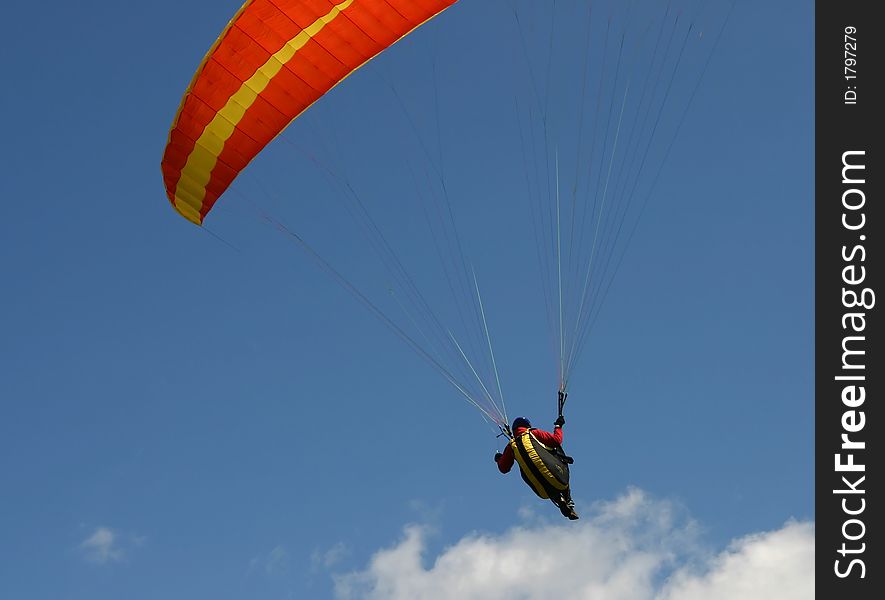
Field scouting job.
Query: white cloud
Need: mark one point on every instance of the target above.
(277, 561)
(777, 564)
(634, 547)
(328, 558)
(274, 562)
(102, 547)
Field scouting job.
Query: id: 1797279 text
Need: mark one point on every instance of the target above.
(850, 66)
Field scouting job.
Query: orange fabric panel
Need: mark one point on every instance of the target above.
(322, 41)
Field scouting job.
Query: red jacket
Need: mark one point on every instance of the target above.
(505, 463)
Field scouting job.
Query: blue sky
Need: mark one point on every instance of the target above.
(189, 414)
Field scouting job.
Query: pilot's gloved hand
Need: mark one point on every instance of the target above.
(498, 456)
(559, 422)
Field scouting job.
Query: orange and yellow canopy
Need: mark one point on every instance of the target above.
(273, 60)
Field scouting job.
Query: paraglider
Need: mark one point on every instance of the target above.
(587, 179)
(543, 464)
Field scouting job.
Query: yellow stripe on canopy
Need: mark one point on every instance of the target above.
(197, 171)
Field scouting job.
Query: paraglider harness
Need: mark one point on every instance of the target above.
(543, 468)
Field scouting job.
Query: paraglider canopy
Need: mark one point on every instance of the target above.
(272, 61)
